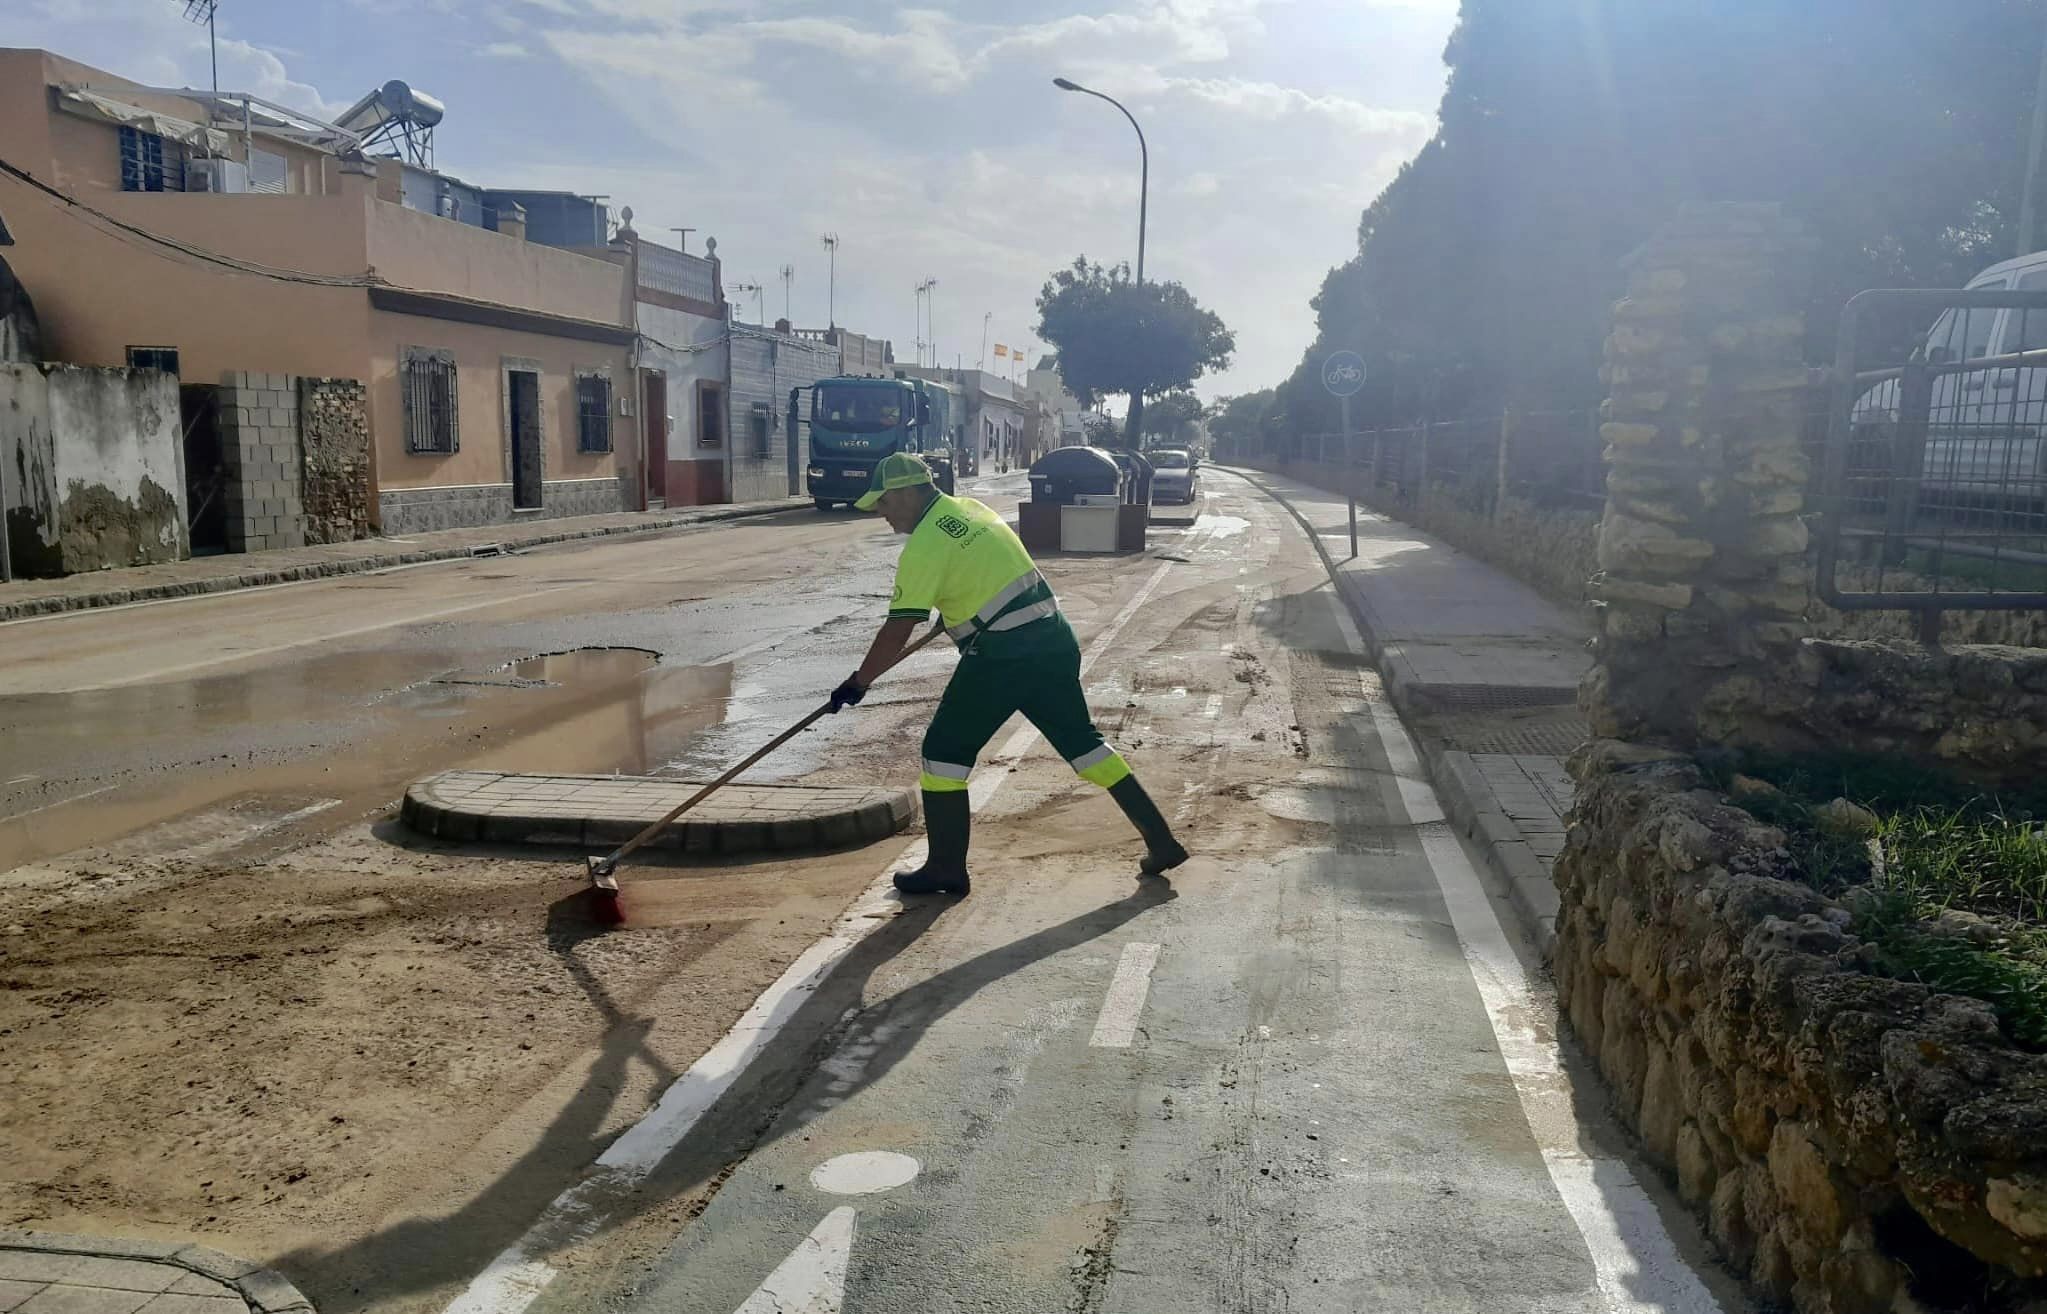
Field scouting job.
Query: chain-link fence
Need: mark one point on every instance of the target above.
(1549, 458)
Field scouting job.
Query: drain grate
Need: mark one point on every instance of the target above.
(1491, 697)
(1551, 732)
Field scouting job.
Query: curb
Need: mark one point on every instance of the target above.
(1473, 807)
(426, 813)
(264, 1289)
(259, 578)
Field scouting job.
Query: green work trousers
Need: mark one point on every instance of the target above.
(1034, 670)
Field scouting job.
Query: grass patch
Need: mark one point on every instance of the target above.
(1937, 847)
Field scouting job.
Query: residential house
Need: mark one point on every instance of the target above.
(768, 457)
(218, 235)
(1045, 384)
(684, 371)
(1003, 424)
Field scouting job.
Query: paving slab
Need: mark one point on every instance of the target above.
(604, 811)
(57, 1273)
(1474, 660)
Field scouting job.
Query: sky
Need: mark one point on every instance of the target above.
(928, 137)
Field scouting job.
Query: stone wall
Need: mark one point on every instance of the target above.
(94, 468)
(260, 454)
(1703, 584)
(422, 510)
(1857, 1144)
(334, 440)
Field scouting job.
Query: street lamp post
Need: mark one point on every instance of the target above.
(1143, 156)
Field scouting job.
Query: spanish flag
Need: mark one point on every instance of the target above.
(1000, 351)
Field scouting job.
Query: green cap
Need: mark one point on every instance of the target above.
(897, 470)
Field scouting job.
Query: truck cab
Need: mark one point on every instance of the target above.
(855, 422)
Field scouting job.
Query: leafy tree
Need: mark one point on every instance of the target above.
(1233, 422)
(1116, 336)
(1170, 415)
(1570, 130)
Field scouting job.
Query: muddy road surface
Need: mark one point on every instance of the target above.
(240, 1005)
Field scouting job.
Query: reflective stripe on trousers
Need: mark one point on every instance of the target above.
(1105, 767)
(944, 777)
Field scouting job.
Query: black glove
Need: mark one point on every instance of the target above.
(848, 694)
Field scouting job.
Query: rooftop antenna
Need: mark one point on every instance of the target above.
(682, 238)
(788, 281)
(201, 11)
(830, 242)
(982, 363)
(760, 315)
(924, 290)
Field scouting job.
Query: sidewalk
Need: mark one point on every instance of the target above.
(1483, 669)
(246, 570)
(48, 1273)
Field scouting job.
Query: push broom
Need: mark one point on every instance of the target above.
(604, 870)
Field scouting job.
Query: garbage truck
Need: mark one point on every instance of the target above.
(856, 420)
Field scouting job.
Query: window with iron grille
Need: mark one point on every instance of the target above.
(427, 380)
(593, 413)
(762, 416)
(153, 358)
(150, 164)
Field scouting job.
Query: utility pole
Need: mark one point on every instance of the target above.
(982, 363)
(788, 282)
(831, 255)
(2026, 206)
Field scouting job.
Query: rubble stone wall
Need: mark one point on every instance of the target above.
(1856, 1144)
(334, 441)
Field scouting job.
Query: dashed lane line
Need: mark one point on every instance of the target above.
(1128, 990)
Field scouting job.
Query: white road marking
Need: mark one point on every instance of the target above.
(514, 1279)
(1638, 1266)
(812, 1280)
(75, 798)
(1214, 707)
(1128, 990)
(865, 1172)
(225, 842)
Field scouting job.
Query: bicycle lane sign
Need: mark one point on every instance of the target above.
(1343, 373)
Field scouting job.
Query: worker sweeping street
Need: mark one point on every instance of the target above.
(1017, 654)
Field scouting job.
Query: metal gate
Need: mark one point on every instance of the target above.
(1934, 495)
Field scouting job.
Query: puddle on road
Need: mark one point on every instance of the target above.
(351, 727)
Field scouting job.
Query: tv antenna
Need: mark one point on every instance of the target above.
(788, 282)
(830, 242)
(201, 11)
(682, 238)
(760, 315)
(924, 300)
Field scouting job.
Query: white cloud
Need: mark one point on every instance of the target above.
(921, 47)
(504, 50)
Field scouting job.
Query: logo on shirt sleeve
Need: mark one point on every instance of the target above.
(952, 526)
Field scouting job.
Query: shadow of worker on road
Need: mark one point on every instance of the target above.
(422, 1254)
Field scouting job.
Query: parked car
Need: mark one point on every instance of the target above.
(1985, 428)
(1174, 475)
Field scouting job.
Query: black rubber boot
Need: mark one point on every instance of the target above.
(948, 824)
(1163, 852)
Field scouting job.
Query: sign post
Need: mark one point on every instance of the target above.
(1343, 374)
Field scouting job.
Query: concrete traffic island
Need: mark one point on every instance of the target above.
(604, 811)
(116, 1275)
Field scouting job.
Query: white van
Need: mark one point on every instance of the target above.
(1985, 427)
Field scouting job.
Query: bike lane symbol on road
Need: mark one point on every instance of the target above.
(812, 1280)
